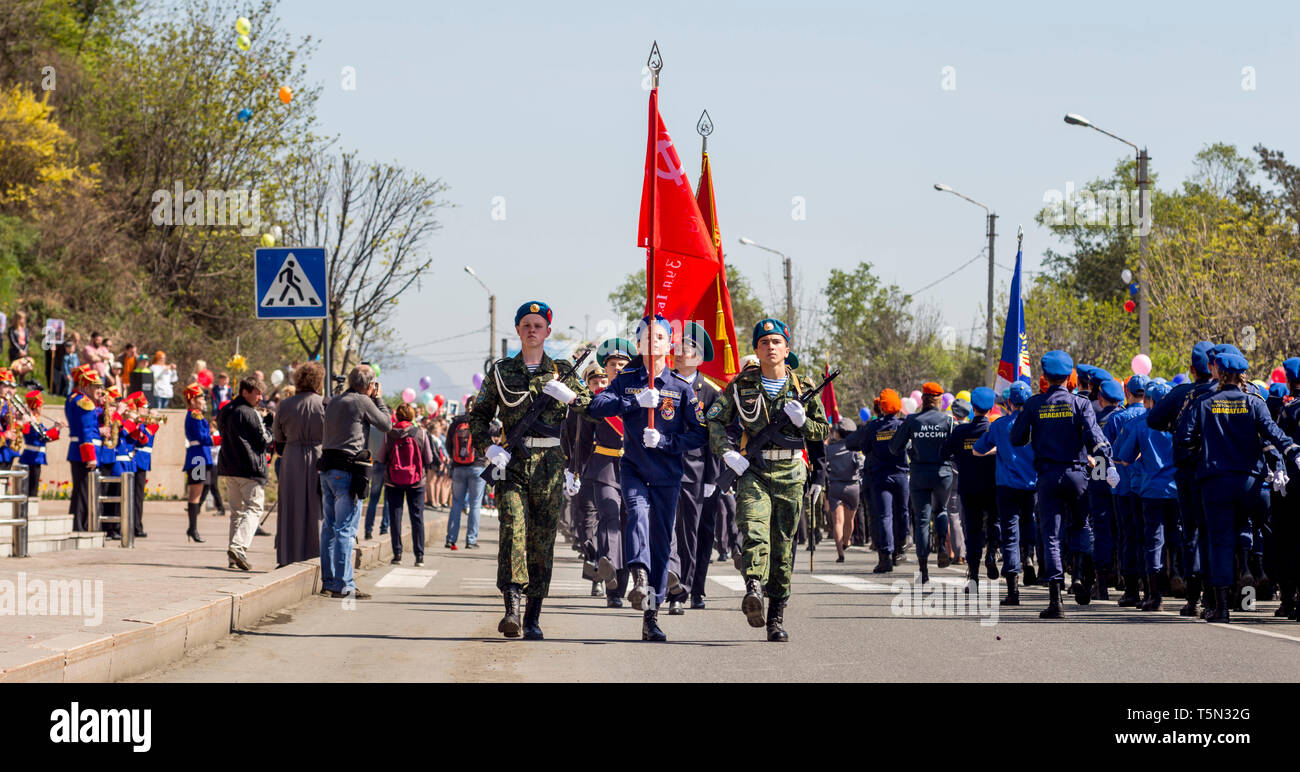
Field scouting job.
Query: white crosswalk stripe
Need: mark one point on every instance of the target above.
(416, 578)
(854, 583)
(734, 583)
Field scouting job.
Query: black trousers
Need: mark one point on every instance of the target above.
(79, 504)
(34, 481)
(137, 501)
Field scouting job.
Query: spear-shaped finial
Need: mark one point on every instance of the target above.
(1020, 235)
(655, 63)
(704, 128)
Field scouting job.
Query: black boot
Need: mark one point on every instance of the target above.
(1013, 591)
(925, 569)
(886, 564)
(775, 611)
(532, 611)
(1053, 610)
(1031, 574)
(1295, 608)
(640, 588)
(1208, 600)
(1130, 598)
(1083, 593)
(1152, 601)
(509, 626)
(650, 627)
(1245, 578)
(752, 603)
(1103, 586)
(991, 566)
(192, 510)
(1193, 597)
(1220, 612)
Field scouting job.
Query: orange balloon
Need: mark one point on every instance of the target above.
(286, 94)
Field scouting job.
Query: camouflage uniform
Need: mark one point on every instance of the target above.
(767, 500)
(530, 498)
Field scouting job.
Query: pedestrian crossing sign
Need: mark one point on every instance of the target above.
(290, 283)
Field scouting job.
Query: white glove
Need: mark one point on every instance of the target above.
(648, 398)
(709, 490)
(737, 462)
(571, 484)
(562, 394)
(796, 413)
(498, 455)
(1112, 476)
(814, 490)
(650, 437)
(1280, 480)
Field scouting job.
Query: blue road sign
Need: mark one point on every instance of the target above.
(290, 283)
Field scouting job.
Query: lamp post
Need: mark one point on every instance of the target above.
(789, 287)
(492, 317)
(1144, 308)
(991, 218)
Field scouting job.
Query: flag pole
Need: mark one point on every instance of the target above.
(654, 63)
(704, 127)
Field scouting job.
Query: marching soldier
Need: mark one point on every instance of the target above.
(111, 456)
(601, 495)
(1128, 505)
(651, 470)
(143, 435)
(768, 499)
(10, 424)
(888, 472)
(1108, 397)
(529, 491)
(978, 476)
(82, 410)
(930, 484)
(1015, 481)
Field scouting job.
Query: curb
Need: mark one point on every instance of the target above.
(129, 647)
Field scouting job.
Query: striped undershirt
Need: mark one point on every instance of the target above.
(772, 386)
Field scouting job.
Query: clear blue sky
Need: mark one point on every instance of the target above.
(840, 103)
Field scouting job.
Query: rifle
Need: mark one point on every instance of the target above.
(515, 443)
(753, 451)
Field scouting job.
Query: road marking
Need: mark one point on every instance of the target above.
(734, 583)
(853, 583)
(557, 585)
(416, 578)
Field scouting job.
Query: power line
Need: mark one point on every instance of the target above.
(951, 273)
(450, 337)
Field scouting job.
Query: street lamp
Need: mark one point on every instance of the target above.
(991, 218)
(492, 317)
(789, 289)
(1144, 309)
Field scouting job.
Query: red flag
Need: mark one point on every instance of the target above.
(713, 310)
(681, 261)
(829, 403)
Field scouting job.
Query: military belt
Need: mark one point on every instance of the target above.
(604, 451)
(541, 442)
(781, 454)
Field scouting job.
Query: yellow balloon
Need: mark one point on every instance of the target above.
(243, 43)
(268, 240)
(242, 26)
(963, 394)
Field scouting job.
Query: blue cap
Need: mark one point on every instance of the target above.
(1112, 390)
(1084, 371)
(1279, 390)
(1100, 375)
(1057, 364)
(982, 398)
(1136, 385)
(1157, 392)
(864, 415)
(1180, 378)
(1292, 367)
(533, 307)
(1201, 357)
(1224, 348)
(1017, 393)
(771, 327)
(646, 321)
(1233, 363)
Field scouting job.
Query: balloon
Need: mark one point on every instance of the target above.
(1141, 365)
(963, 394)
(424, 382)
(1126, 275)
(268, 240)
(243, 115)
(1133, 290)
(945, 400)
(243, 43)
(286, 94)
(439, 399)
(427, 398)
(376, 369)
(1180, 378)
(408, 395)
(277, 231)
(478, 381)
(242, 26)
(277, 378)
(1129, 305)
(1279, 375)
(864, 415)
(916, 396)
(909, 404)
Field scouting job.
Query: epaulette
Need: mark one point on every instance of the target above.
(197, 415)
(710, 381)
(85, 403)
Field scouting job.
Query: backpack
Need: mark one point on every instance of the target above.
(462, 447)
(405, 464)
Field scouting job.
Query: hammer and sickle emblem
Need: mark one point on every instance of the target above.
(675, 172)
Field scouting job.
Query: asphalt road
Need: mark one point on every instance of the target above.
(439, 623)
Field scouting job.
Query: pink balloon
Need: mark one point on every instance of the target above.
(1141, 365)
(916, 396)
(408, 395)
(478, 380)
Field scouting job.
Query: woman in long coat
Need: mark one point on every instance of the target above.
(299, 426)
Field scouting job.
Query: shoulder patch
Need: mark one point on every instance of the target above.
(715, 409)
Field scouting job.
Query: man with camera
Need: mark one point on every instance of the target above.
(345, 473)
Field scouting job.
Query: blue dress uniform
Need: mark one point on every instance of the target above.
(978, 488)
(143, 456)
(1101, 500)
(1285, 515)
(651, 477)
(930, 483)
(198, 452)
(1152, 452)
(1229, 430)
(35, 438)
(83, 451)
(1016, 481)
(888, 472)
(1128, 504)
(1164, 417)
(1063, 432)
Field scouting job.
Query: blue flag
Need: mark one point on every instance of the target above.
(1014, 363)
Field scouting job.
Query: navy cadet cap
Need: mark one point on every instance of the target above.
(1137, 384)
(533, 307)
(1156, 391)
(1279, 390)
(1112, 390)
(1233, 363)
(695, 333)
(1057, 364)
(1292, 367)
(615, 347)
(1201, 357)
(982, 398)
(1017, 393)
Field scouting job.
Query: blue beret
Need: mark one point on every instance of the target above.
(1112, 390)
(1279, 390)
(1224, 348)
(533, 307)
(1157, 392)
(1057, 364)
(1017, 393)
(864, 415)
(1136, 385)
(1292, 367)
(1101, 376)
(771, 327)
(1201, 357)
(646, 321)
(982, 398)
(1233, 363)
(615, 347)
(1180, 378)
(695, 333)
(1084, 371)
